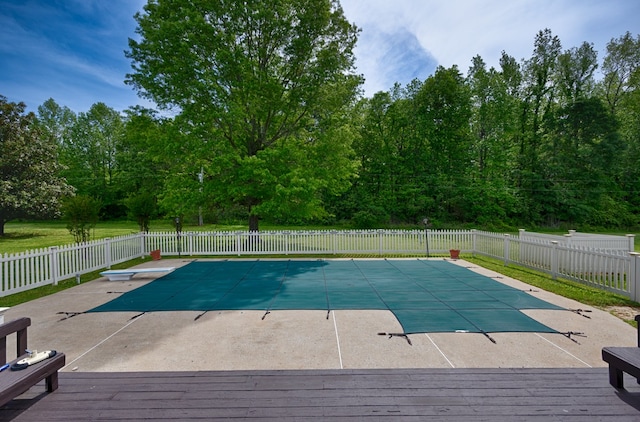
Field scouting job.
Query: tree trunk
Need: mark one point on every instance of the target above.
(2, 227)
(253, 223)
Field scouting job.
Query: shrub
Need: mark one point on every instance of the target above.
(81, 213)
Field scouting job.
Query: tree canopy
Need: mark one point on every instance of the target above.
(262, 88)
(266, 121)
(30, 184)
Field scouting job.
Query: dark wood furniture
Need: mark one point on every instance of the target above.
(621, 360)
(14, 383)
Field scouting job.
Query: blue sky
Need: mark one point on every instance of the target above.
(73, 50)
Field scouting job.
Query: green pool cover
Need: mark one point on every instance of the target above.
(426, 296)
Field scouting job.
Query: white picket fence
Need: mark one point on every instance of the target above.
(615, 268)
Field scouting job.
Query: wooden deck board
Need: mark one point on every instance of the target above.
(403, 394)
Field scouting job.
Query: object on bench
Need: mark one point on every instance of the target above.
(33, 357)
(14, 383)
(623, 359)
(123, 275)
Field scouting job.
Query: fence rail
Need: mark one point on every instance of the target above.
(607, 262)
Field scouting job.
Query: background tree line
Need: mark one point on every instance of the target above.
(546, 141)
(551, 140)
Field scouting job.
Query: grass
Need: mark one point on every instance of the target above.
(23, 236)
(582, 293)
(20, 237)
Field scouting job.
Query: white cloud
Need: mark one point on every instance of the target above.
(454, 31)
(391, 57)
(73, 50)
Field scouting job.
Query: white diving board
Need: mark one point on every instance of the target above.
(123, 275)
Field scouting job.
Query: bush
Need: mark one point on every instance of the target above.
(81, 213)
(142, 208)
(371, 218)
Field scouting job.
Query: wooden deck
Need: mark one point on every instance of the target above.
(388, 394)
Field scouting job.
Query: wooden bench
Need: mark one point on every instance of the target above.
(123, 275)
(14, 383)
(623, 359)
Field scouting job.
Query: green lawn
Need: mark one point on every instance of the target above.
(20, 237)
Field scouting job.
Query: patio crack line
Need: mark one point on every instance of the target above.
(102, 342)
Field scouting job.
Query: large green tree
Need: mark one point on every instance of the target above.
(30, 184)
(621, 90)
(89, 152)
(55, 121)
(261, 88)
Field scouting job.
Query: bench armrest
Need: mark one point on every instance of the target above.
(18, 326)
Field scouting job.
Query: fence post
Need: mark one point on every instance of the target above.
(143, 241)
(107, 252)
(632, 244)
(554, 259)
(633, 277)
(506, 249)
(238, 242)
(474, 234)
(53, 264)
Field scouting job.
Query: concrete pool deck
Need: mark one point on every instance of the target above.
(243, 340)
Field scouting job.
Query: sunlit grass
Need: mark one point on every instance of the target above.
(579, 292)
(21, 237)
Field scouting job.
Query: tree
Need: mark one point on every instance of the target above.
(621, 89)
(81, 213)
(142, 207)
(55, 121)
(443, 107)
(621, 66)
(489, 196)
(259, 86)
(90, 154)
(575, 72)
(538, 96)
(30, 184)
